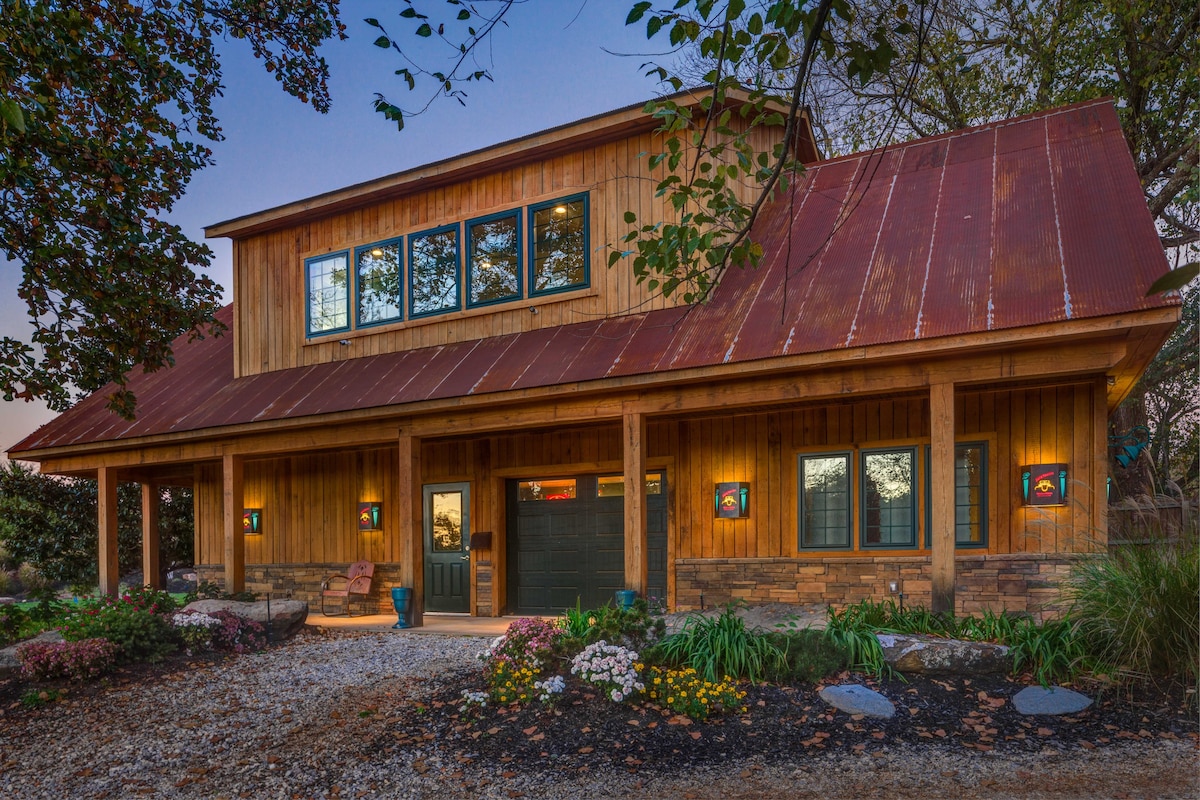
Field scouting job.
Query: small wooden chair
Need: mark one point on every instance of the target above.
(355, 583)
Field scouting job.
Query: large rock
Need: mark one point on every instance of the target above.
(1033, 700)
(287, 616)
(10, 667)
(855, 699)
(933, 656)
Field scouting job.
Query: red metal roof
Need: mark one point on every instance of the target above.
(1017, 223)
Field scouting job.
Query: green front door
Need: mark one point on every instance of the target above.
(447, 547)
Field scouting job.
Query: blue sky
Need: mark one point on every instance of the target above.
(550, 67)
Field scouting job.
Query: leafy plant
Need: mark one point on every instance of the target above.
(851, 631)
(1052, 651)
(722, 646)
(237, 634)
(13, 620)
(515, 661)
(685, 692)
(808, 656)
(140, 635)
(633, 627)
(78, 660)
(35, 698)
(1137, 609)
(207, 590)
(611, 668)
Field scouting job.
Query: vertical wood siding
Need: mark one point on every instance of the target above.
(309, 502)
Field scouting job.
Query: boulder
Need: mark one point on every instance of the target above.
(855, 699)
(10, 667)
(933, 656)
(287, 616)
(1053, 700)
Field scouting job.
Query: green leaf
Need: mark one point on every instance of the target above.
(374, 23)
(425, 30)
(383, 42)
(637, 12)
(464, 14)
(1175, 279)
(11, 113)
(630, 217)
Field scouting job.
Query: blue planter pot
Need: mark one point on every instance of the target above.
(625, 598)
(402, 602)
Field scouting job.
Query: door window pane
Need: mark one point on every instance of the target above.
(447, 522)
(559, 234)
(970, 489)
(888, 499)
(434, 267)
(553, 489)
(328, 293)
(379, 283)
(825, 501)
(494, 272)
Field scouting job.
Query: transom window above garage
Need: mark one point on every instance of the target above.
(464, 265)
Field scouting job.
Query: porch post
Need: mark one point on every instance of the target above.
(234, 502)
(106, 497)
(941, 478)
(411, 537)
(151, 566)
(636, 567)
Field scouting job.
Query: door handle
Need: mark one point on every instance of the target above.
(465, 558)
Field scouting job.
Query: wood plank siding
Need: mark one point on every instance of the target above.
(309, 501)
(269, 284)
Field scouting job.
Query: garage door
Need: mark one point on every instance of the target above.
(566, 542)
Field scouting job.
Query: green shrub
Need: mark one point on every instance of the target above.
(808, 656)
(851, 631)
(633, 627)
(207, 590)
(139, 634)
(722, 647)
(1138, 610)
(1052, 651)
(13, 620)
(77, 661)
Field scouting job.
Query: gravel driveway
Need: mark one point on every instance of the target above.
(306, 720)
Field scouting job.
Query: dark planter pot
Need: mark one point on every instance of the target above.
(402, 602)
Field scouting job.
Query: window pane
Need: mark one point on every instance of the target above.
(494, 267)
(559, 253)
(447, 522)
(888, 499)
(328, 294)
(434, 272)
(825, 501)
(970, 510)
(614, 485)
(379, 283)
(555, 489)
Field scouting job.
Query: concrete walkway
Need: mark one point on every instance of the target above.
(444, 624)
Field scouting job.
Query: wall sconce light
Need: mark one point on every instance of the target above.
(1044, 484)
(732, 500)
(370, 516)
(252, 521)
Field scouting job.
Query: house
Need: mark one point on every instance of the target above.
(436, 371)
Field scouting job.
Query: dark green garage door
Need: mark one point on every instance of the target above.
(566, 541)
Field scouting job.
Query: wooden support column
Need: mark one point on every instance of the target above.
(412, 532)
(941, 479)
(151, 564)
(1099, 476)
(106, 496)
(233, 504)
(636, 565)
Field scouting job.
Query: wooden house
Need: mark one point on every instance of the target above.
(436, 371)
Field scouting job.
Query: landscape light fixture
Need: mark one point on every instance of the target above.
(897, 588)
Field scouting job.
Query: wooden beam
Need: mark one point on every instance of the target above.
(412, 532)
(106, 496)
(634, 448)
(233, 506)
(151, 564)
(941, 479)
(1099, 476)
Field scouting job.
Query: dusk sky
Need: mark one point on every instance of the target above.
(550, 67)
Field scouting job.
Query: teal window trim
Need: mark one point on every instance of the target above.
(398, 241)
(984, 477)
(413, 238)
(532, 258)
(308, 294)
(468, 250)
(847, 457)
(863, 544)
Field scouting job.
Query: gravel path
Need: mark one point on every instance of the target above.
(306, 720)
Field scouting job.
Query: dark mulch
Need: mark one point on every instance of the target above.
(584, 732)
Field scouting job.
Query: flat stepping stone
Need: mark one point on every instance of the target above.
(1033, 700)
(855, 699)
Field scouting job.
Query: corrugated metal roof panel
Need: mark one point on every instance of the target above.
(1018, 223)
